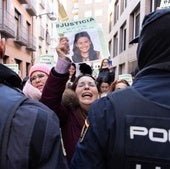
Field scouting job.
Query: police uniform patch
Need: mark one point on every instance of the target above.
(84, 130)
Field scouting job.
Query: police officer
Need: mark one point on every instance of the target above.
(29, 130)
(130, 129)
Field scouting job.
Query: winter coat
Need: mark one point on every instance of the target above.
(34, 139)
(66, 106)
(106, 73)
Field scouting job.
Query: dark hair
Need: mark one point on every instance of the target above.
(100, 69)
(74, 75)
(77, 54)
(113, 85)
(85, 68)
(104, 79)
(79, 77)
(24, 81)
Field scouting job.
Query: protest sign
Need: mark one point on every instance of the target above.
(86, 39)
(13, 67)
(127, 77)
(47, 59)
(165, 4)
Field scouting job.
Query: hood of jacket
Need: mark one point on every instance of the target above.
(69, 99)
(154, 42)
(9, 77)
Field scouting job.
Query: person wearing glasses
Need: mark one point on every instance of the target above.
(38, 75)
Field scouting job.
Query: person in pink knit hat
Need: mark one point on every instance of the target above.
(38, 75)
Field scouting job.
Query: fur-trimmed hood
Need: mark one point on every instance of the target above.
(69, 99)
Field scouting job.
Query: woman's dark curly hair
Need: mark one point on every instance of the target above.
(79, 77)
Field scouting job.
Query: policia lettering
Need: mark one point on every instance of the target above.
(151, 133)
(138, 166)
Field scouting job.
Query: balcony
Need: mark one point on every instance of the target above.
(31, 45)
(20, 37)
(7, 24)
(23, 1)
(30, 8)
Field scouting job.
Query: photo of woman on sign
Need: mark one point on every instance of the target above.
(83, 49)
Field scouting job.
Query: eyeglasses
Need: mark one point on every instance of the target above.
(39, 76)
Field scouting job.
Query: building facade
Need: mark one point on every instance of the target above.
(125, 20)
(28, 27)
(16, 26)
(121, 22)
(45, 30)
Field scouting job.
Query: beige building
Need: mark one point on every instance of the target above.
(45, 30)
(79, 9)
(98, 9)
(29, 28)
(125, 20)
(121, 22)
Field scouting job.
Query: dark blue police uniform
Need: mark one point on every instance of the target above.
(130, 129)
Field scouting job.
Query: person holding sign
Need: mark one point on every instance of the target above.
(72, 104)
(83, 48)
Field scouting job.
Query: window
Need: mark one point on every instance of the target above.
(27, 68)
(110, 47)
(28, 29)
(17, 23)
(121, 69)
(123, 38)
(125, 4)
(155, 4)
(115, 45)
(110, 22)
(136, 24)
(17, 61)
(116, 11)
(135, 16)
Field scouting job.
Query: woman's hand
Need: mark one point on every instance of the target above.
(2, 48)
(63, 48)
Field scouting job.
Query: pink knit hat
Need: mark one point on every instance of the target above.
(40, 67)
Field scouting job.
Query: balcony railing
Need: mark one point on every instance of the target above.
(7, 24)
(21, 36)
(31, 45)
(30, 8)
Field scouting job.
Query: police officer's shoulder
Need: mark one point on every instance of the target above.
(35, 109)
(101, 107)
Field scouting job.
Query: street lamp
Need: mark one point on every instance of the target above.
(50, 14)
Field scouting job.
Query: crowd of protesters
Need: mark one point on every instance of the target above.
(76, 103)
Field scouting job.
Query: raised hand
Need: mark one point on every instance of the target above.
(63, 47)
(2, 48)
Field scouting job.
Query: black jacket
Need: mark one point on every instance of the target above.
(34, 140)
